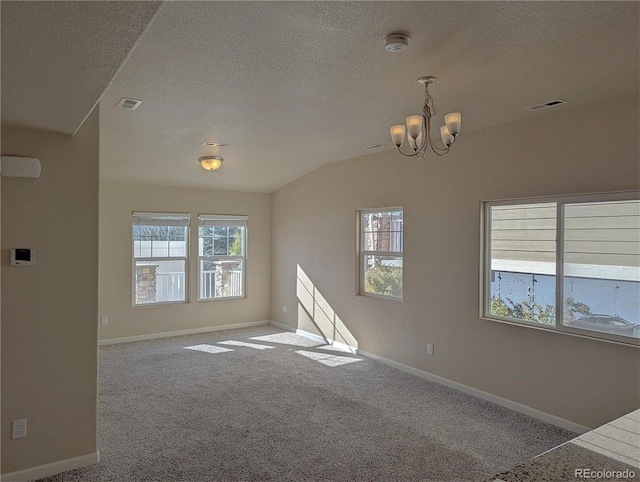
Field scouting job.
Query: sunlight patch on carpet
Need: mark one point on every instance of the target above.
(286, 339)
(339, 348)
(245, 344)
(208, 348)
(328, 359)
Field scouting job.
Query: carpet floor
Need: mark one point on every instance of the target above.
(263, 404)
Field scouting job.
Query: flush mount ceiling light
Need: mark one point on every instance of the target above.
(211, 163)
(418, 128)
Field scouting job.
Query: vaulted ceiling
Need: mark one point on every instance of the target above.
(291, 86)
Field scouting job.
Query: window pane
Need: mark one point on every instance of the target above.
(220, 246)
(383, 231)
(205, 241)
(221, 278)
(383, 275)
(159, 241)
(159, 281)
(523, 251)
(602, 267)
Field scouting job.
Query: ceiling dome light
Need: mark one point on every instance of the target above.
(211, 163)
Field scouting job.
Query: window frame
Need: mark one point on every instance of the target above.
(185, 258)
(362, 253)
(485, 263)
(233, 221)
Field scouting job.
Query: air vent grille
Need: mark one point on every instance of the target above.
(546, 105)
(214, 144)
(130, 104)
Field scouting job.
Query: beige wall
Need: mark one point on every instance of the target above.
(589, 149)
(49, 311)
(118, 201)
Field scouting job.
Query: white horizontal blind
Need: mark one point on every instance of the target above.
(222, 220)
(161, 219)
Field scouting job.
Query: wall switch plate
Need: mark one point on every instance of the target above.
(19, 429)
(284, 308)
(104, 320)
(429, 348)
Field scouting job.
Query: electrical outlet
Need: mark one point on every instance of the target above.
(429, 348)
(104, 320)
(19, 428)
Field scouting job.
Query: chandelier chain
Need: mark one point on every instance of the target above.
(429, 109)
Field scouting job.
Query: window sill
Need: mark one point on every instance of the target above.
(162, 303)
(381, 298)
(224, 298)
(634, 342)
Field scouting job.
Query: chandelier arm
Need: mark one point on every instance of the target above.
(438, 150)
(414, 154)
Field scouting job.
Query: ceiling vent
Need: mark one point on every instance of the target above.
(130, 104)
(373, 147)
(546, 105)
(214, 144)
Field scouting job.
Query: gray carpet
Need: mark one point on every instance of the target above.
(296, 410)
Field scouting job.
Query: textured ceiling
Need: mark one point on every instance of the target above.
(58, 57)
(295, 85)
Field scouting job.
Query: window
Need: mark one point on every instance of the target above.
(160, 254)
(222, 250)
(381, 248)
(570, 264)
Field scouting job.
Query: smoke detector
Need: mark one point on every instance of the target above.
(395, 42)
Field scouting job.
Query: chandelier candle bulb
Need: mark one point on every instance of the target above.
(414, 125)
(447, 137)
(397, 134)
(453, 122)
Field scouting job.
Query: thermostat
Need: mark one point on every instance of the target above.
(23, 257)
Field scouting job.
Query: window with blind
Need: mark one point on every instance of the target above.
(222, 247)
(381, 253)
(160, 258)
(570, 264)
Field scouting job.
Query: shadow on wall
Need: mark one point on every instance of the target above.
(314, 309)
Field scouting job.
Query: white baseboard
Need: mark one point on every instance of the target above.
(282, 326)
(167, 334)
(53, 468)
(517, 407)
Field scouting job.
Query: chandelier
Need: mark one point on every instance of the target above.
(418, 128)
